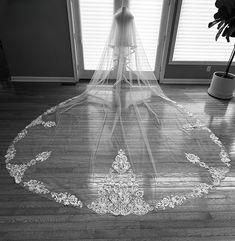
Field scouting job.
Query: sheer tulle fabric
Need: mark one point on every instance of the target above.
(122, 146)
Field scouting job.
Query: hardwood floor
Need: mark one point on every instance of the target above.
(30, 217)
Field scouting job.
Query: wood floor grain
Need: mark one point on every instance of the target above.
(25, 216)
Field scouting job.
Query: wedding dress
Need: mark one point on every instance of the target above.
(122, 146)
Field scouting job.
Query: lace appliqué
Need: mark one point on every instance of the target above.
(11, 152)
(183, 109)
(176, 200)
(39, 121)
(170, 202)
(20, 136)
(66, 199)
(217, 173)
(199, 190)
(17, 171)
(223, 154)
(51, 110)
(36, 186)
(224, 157)
(190, 127)
(119, 194)
(215, 139)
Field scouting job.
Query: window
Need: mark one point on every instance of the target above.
(194, 41)
(147, 16)
(96, 17)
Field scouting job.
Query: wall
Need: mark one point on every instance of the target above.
(4, 72)
(3, 17)
(37, 40)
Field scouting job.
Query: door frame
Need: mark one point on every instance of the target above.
(76, 38)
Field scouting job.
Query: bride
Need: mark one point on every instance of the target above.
(122, 146)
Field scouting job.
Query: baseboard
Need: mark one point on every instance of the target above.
(72, 80)
(186, 81)
(42, 79)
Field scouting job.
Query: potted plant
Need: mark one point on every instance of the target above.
(223, 83)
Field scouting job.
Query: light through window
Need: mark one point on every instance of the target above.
(194, 41)
(96, 19)
(147, 15)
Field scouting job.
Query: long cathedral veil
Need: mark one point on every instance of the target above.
(122, 146)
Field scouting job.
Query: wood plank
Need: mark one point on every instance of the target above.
(29, 217)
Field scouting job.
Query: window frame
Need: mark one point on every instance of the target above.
(168, 50)
(172, 47)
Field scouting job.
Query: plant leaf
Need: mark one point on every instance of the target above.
(220, 24)
(220, 31)
(226, 4)
(211, 24)
(230, 31)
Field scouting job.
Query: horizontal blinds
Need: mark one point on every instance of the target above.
(96, 18)
(194, 41)
(147, 14)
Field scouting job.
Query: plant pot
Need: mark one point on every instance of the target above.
(220, 87)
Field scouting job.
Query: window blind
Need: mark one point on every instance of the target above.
(96, 19)
(194, 40)
(147, 16)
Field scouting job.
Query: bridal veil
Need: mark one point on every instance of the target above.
(122, 146)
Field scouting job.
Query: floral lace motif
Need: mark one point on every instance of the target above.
(39, 121)
(217, 173)
(199, 190)
(185, 110)
(66, 199)
(224, 157)
(119, 194)
(176, 200)
(190, 127)
(11, 152)
(215, 139)
(20, 136)
(170, 202)
(36, 186)
(51, 110)
(17, 171)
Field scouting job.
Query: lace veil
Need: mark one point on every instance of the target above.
(122, 146)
